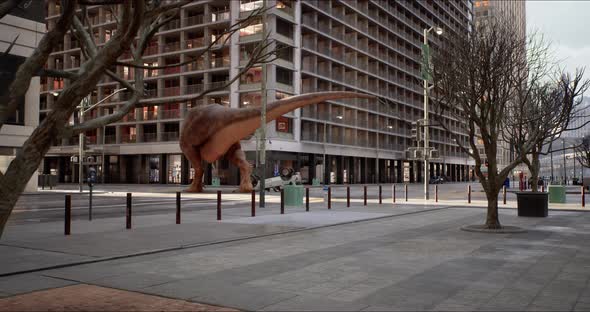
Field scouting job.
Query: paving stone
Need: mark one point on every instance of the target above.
(134, 281)
(582, 306)
(25, 283)
(314, 303)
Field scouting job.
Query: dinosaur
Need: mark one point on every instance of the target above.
(210, 132)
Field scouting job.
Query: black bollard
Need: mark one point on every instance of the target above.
(365, 195)
(380, 201)
(177, 207)
(128, 212)
(329, 197)
(348, 196)
(282, 201)
(218, 205)
(68, 215)
(253, 203)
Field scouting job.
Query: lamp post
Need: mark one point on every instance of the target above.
(262, 156)
(564, 163)
(83, 109)
(426, 76)
(377, 152)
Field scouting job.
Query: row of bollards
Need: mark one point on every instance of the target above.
(128, 210)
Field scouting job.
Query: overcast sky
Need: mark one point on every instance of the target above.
(567, 25)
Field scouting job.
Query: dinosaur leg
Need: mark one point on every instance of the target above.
(192, 153)
(237, 157)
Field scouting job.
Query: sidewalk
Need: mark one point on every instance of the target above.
(34, 246)
(407, 257)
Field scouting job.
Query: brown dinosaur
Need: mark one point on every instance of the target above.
(211, 131)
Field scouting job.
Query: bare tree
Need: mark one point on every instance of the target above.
(549, 110)
(482, 79)
(141, 18)
(582, 152)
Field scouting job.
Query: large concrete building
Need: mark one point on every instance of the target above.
(26, 24)
(367, 46)
(514, 11)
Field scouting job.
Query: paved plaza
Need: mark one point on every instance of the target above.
(404, 256)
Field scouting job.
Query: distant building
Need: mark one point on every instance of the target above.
(514, 10)
(366, 46)
(27, 21)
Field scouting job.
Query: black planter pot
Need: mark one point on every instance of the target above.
(532, 204)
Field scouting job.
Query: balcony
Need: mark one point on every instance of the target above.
(150, 137)
(194, 20)
(128, 138)
(150, 115)
(194, 43)
(170, 114)
(171, 91)
(170, 136)
(220, 62)
(110, 139)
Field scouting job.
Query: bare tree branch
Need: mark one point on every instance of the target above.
(20, 85)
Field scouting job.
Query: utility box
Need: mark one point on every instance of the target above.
(215, 182)
(556, 194)
(293, 196)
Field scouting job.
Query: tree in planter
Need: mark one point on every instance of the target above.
(582, 152)
(141, 18)
(480, 79)
(551, 106)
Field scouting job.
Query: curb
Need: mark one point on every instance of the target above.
(181, 247)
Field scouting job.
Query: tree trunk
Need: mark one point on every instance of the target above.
(534, 169)
(492, 219)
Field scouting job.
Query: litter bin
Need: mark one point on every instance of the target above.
(215, 182)
(293, 196)
(556, 194)
(315, 182)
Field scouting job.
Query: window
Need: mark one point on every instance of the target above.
(284, 28)
(285, 52)
(255, 27)
(246, 51)
(253, 75)
(250, 5)
(284, 76)
(250, 99)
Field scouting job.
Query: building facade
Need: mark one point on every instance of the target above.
(515, 11)
(366, 46)
(26, 24)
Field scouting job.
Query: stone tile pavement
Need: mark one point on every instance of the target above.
(414, 258)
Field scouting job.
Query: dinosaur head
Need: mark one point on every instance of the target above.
(241, 123)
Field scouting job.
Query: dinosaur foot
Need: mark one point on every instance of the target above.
(194, 189)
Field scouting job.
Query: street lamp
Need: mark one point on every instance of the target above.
(426, 76)
(82, 111)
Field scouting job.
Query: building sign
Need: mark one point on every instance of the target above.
(283, 124)
(406, 172)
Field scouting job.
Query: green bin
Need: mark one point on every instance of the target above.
(315, 182)
(293, 196)
(556, 194)
(215, 182)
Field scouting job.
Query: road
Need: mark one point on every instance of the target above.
(110, 200)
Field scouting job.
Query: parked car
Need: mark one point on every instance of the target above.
(436, 180)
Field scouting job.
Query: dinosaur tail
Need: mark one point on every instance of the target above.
(246, 120)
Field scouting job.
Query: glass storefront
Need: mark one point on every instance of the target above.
(154, 171)
(174, 169)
